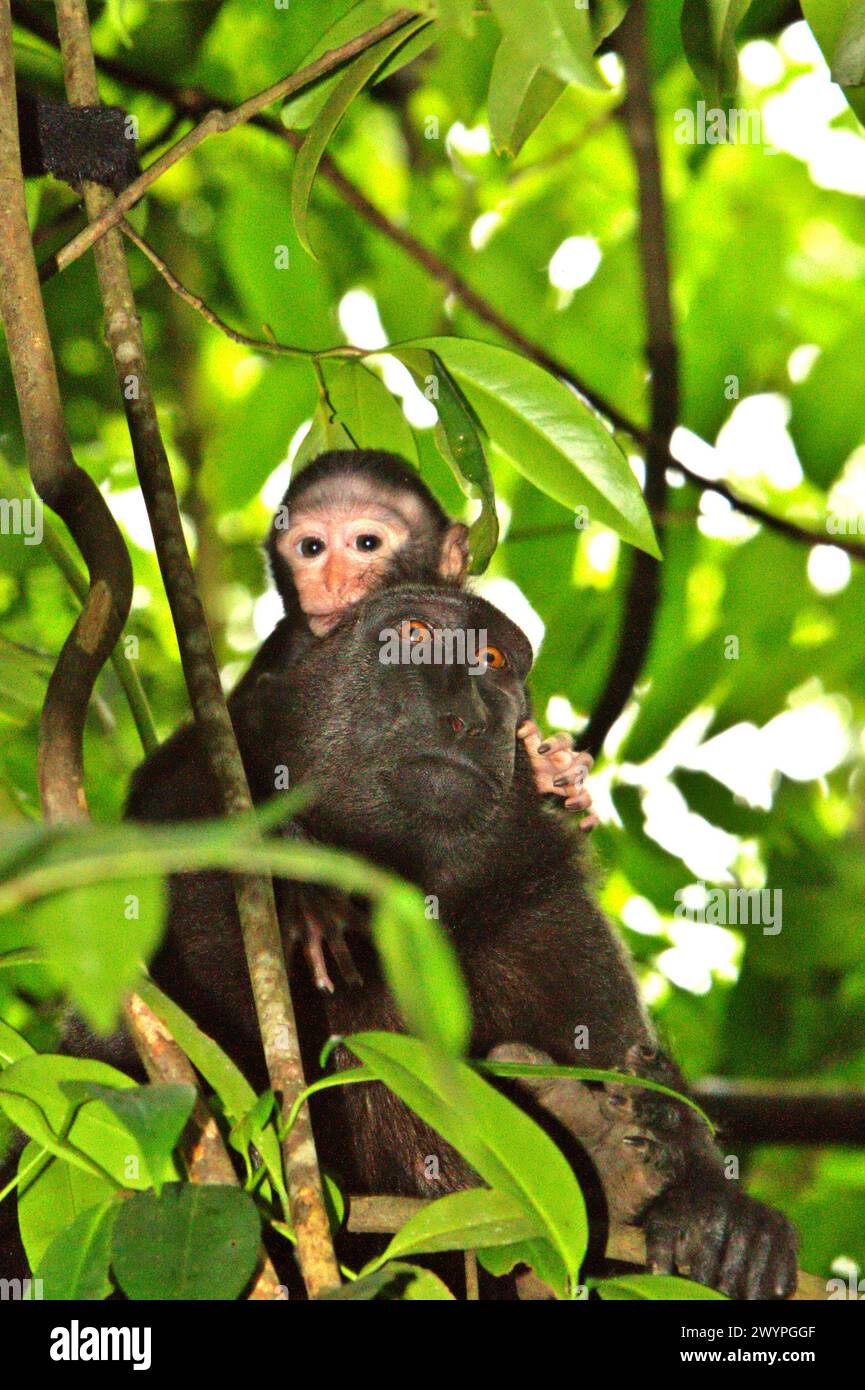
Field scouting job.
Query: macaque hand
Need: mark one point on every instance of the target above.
(559, 770)
(313, 918)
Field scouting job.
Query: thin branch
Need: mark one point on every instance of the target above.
(58, 480)
(254, 893)
(749, 1114)
(644, 583)
(200, 306)
(218, 122)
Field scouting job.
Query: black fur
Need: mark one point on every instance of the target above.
(76, 142)
(456, 813)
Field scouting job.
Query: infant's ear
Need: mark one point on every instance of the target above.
(454, 555)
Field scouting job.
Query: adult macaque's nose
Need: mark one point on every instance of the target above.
(466, 716)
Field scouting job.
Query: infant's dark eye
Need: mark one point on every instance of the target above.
(311, 546)
(367, 542)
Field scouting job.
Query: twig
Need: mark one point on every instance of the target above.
(58, 480)
(201, 307)
(644, 582)
(217, 122)
(254, 893)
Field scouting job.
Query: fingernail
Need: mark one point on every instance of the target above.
(560, 781)
(544, 748)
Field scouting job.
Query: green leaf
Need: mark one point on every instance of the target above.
(556, 34)
(848, 57)
(309, 156)
(709, 38)
(93, 940)
(51, 1196)
(237, 1096)
(654, 1288)
(299, 112)
(421, 967)
(538, 1254)
(400, 1282)
(504, 1146)
(155, 1116)
(76, 1263)
(325, 433)
(12, 1046)
(365, 408)
(547, 432)
(191, 1242)
(461, 1221)
(830, 22)
(88, 1135)
(459, 438)
(521, 93)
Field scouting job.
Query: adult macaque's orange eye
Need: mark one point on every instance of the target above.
(492, 657)
(414, 631)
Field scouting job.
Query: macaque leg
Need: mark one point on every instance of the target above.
(559, 770)
(626, 1155)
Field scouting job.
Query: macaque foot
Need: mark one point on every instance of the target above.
(625, 1154)
(703, 1226)
(320, 917)
(559, 770)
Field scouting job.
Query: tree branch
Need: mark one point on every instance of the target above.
(218, 121)
(254, 893)
(58, 480)
(644, 584)
(749, 1114)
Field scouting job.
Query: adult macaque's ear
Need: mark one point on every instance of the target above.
(454, 557)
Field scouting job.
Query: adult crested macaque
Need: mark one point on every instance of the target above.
(76, 143)
(419, 766)
(353, 522)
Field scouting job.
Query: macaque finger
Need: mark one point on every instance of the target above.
(313, 949)
(589, 823)
(742, 1256)
(701, 1252)
(556, 743)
